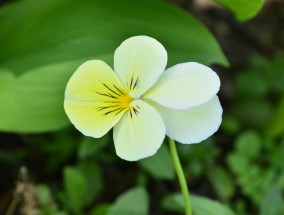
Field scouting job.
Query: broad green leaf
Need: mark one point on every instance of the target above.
(205, 206)
(75, 186)
(43, 42)
(132, 202)
(7, 80)
(200, 205)
(160, 165)
(33, 102)
(243, 9)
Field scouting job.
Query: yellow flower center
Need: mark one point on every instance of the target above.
(125, 100)
(116, 99)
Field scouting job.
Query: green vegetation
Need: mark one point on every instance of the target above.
(238, 171)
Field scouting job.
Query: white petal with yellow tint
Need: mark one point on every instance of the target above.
(185, 85)
(95, 99)
(91, 78)
(88, 120)
(138, 62)
(192, 125)
(139, 133)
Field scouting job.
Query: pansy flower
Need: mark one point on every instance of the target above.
(142, 101)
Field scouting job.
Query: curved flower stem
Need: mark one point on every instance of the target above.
(181, 177)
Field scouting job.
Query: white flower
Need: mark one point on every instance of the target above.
(141, 101)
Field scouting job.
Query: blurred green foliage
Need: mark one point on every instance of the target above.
(42, 42)
(162, 161)
(125, 203)
(200, 205)
(243, 9)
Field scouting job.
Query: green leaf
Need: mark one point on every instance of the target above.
(75, 188)
(222, 183)
(238, 163)
(90, 146)
(160, 165)
(43, 194)
(132, 202)
(249, 144)
(33, 102)
(255, 182)
(273, 74)
(93, 176)
(205, 206)
(200, 205)
(230, 124)
(43, 42)
(276, 156)
(276, 126)
(251, 83)
(6, 80)
(272, 203)
(253, 112)
(46, 203)
(101, 209)
(243, 9)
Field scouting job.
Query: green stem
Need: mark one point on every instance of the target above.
(181, 177)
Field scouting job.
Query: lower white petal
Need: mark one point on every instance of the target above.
(192, 125)
(139, 133)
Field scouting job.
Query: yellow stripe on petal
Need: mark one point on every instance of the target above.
(95, 99)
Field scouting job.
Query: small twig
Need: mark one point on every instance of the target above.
(24, 194)
(13, 205)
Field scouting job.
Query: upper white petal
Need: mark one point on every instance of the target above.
(139, 134)
(185, 85)
(138, 62)
(192, 125)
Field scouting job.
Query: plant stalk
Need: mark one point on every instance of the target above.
(181, 177)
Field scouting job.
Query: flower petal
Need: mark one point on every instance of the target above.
(185, 85)
(138, 62)
(139, 133)
(192, 125)
(92, 98)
